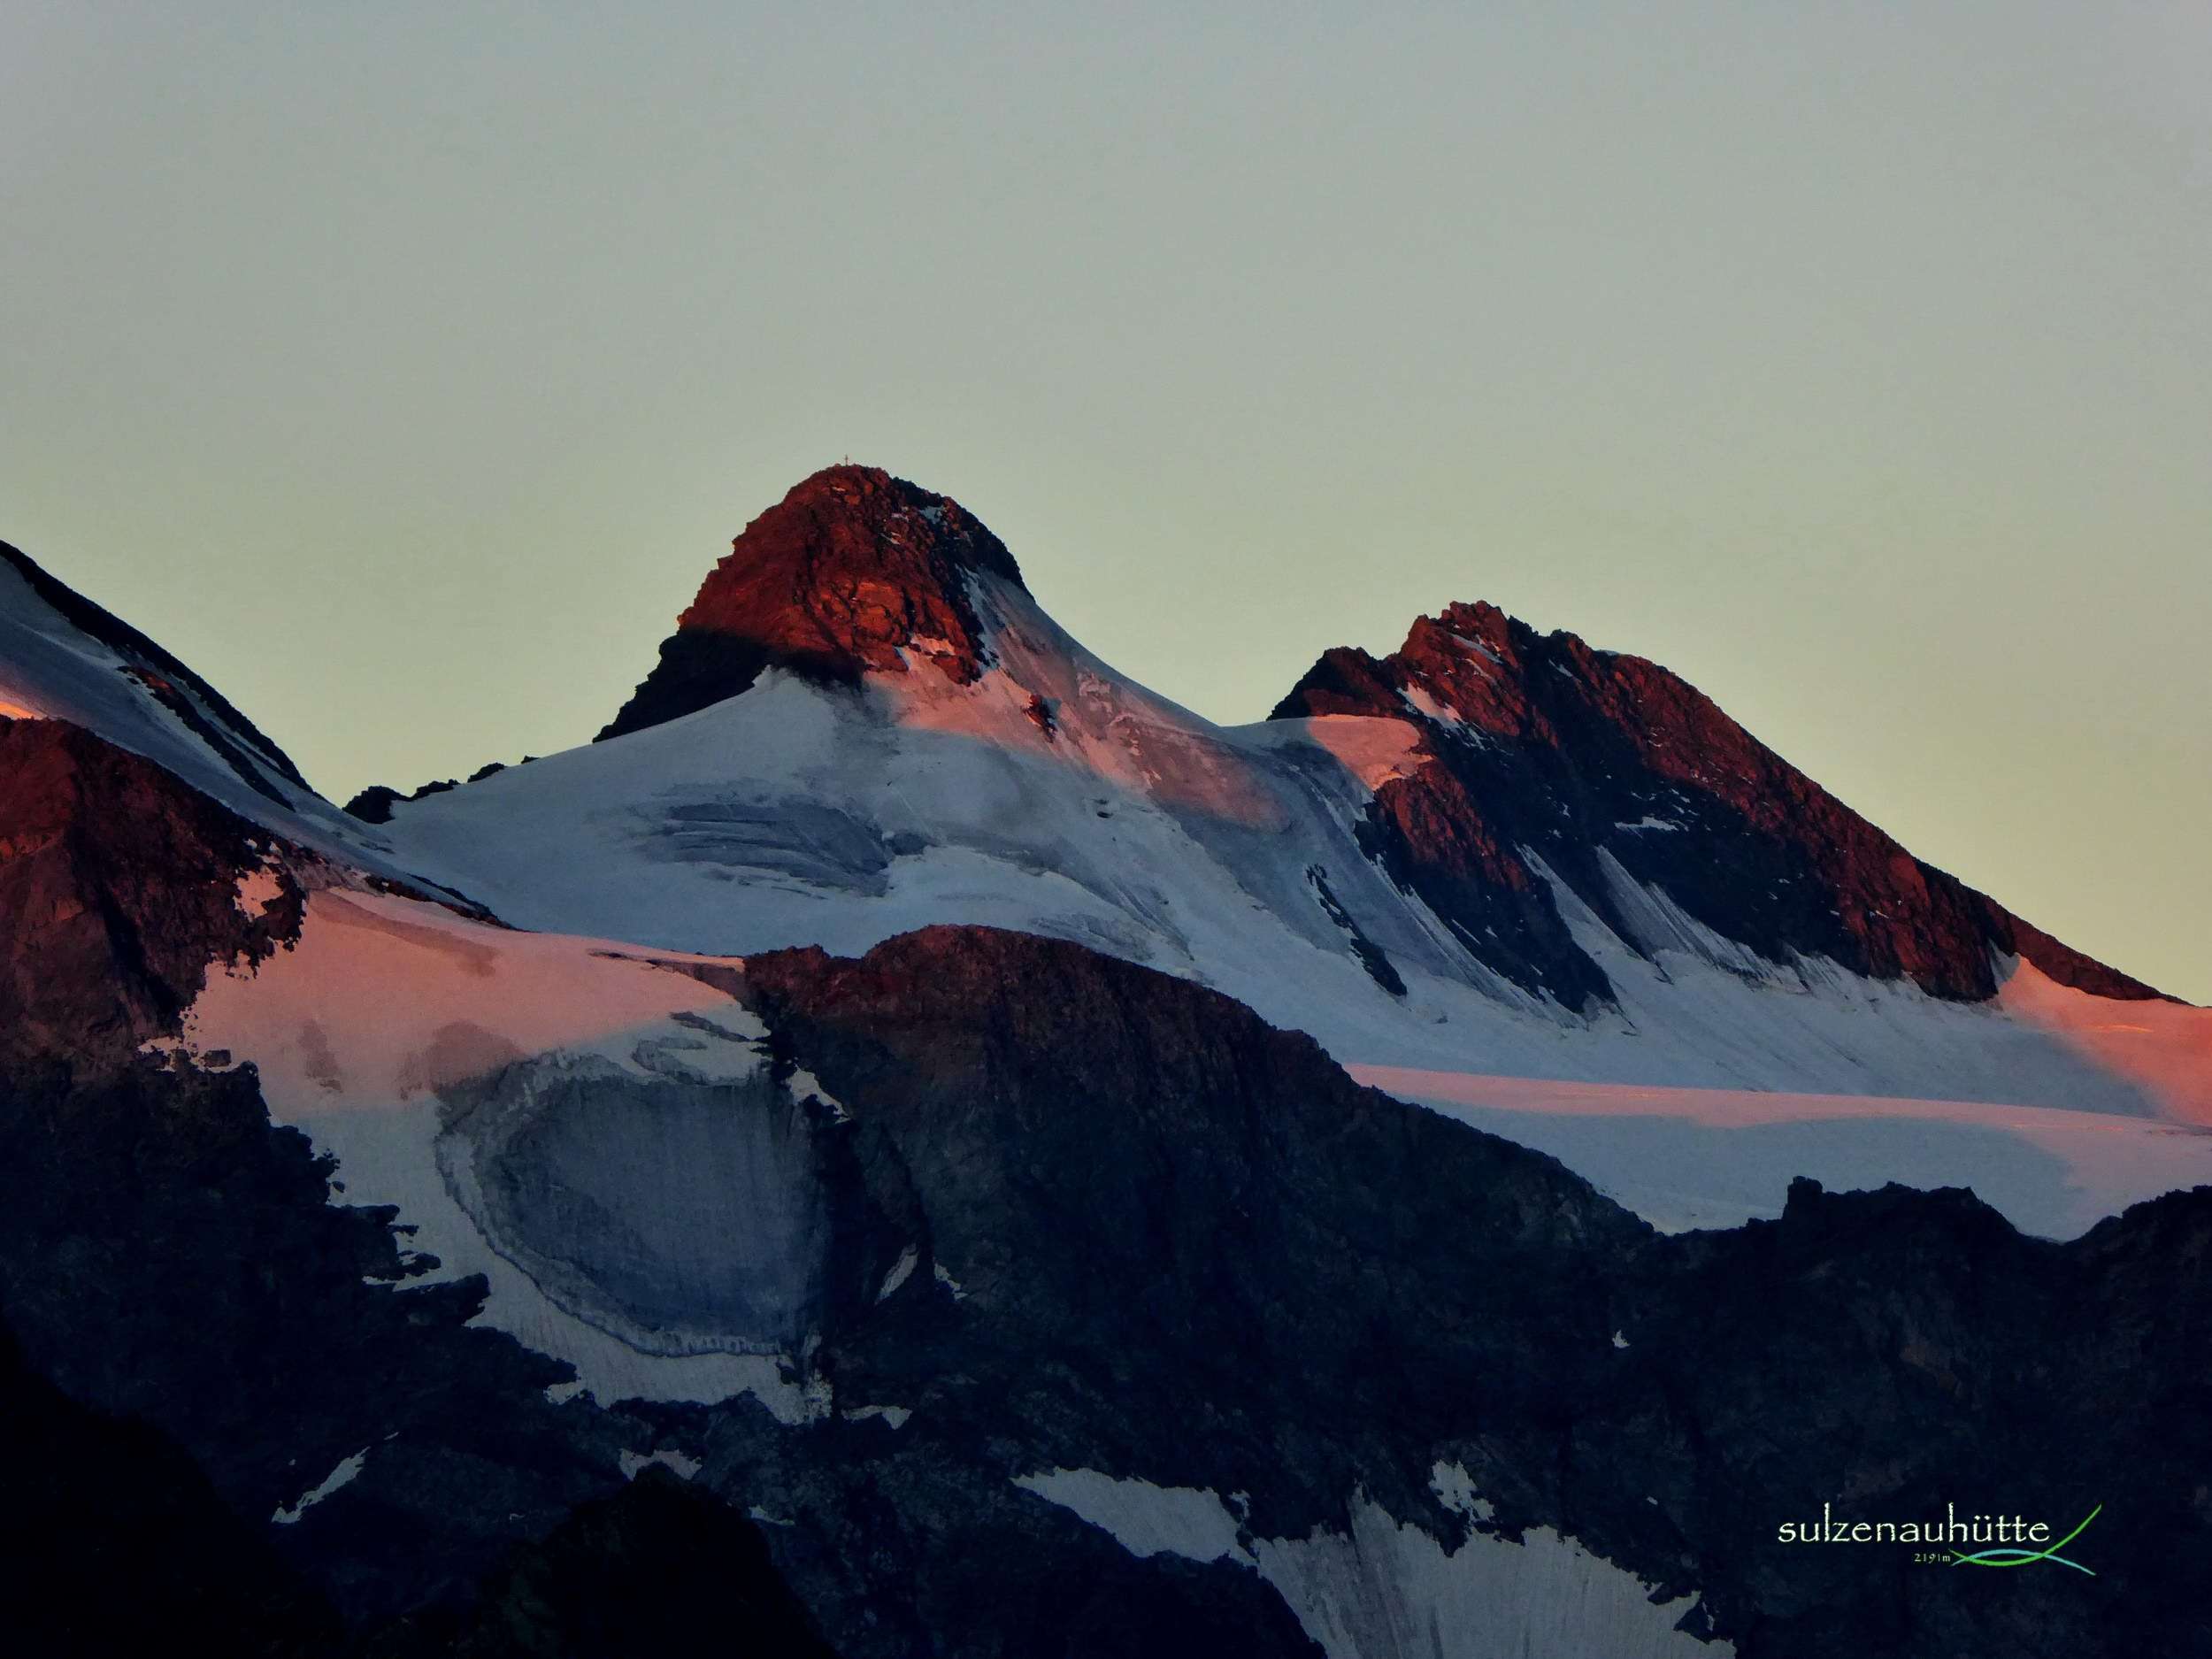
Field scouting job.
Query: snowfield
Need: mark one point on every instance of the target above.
(1387, 1590)
(1703, 1157)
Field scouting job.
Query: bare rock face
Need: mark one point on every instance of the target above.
(1614, 771)
(1158, 1239)
(118, 886)
(849, 574)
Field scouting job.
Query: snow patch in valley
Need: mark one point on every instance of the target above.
(901, 1270)
(1454, 1489)
(289, 1515)
(258, 888)
(1384, 1589)
(895, 1417)
(1144, 1519)
(1422, 702)
(635, 1463)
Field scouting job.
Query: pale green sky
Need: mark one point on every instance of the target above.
(405, 366)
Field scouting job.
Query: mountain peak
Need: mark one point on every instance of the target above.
(853, 572)
(1614, 778)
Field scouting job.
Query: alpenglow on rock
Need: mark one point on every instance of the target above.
(913, 1144)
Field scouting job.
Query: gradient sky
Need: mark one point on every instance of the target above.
(403, 367)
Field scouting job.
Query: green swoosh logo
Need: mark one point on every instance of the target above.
(2022, 1557)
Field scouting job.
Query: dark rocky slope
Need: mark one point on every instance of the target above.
(659, 1568)
(112, 1541)
(1191, 1251)
(1583, 757)
(118, 888)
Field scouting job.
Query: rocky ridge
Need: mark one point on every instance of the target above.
(1599, 766)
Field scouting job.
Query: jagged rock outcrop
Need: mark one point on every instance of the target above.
(120, 885)
(1606, 767)
(1158, 1239)
(852, 571)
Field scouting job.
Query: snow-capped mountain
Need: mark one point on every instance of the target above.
(1491, 855)
(874, 1155)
